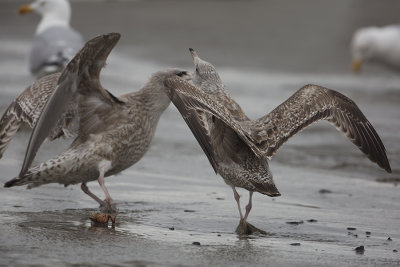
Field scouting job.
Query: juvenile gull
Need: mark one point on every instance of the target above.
(55, 42)
(376, 45)
(239, 148)
(113, 133)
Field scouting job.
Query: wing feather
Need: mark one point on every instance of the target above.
(311, 104)
(78, 82)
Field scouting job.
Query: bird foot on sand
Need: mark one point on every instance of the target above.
(108, 207)
(245, 228)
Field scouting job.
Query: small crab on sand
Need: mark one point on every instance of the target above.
(101, 218)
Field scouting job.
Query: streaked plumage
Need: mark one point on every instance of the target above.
(238, 148)
(112, 133)
(376, 45)
(55, 42)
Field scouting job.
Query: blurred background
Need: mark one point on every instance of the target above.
(264, 52)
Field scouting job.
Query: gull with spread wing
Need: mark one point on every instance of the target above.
(112, 133)
(239, 148)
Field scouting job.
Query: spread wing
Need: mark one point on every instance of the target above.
(79, 87)
(210, 122)
(313, 103)
(27, 108)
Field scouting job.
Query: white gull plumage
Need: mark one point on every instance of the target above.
(376, 45)
(55, 42)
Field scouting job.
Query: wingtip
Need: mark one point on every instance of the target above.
(388, 169)
(10, 183)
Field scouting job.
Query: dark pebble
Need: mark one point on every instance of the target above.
(196, 243)
(295, 223)
(218, 235)
(172, 228)
(351, 228)
(389, 239)
(394, 250)
(189, 210)
(360, 250)
(220, 198)
(325, 191)
(368, 233)
(295, 244)
(312, 220)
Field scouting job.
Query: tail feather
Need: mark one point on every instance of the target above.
(268, 189)
(9, 125)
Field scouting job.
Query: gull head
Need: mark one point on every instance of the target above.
(53, 12)
(43, 7)
(363, 46)
(205, 74)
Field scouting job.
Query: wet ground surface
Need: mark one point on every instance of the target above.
(173, 210)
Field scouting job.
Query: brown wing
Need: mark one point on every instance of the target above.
(313, 103)
(79, 83)
(27, 108)
(199, 109)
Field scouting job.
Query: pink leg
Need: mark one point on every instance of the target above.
(249, 206)
(237, 198)
(87, 191)
(103, 186)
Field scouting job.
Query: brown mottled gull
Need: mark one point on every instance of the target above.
(113, 133)
(55, 42)
(238, 148)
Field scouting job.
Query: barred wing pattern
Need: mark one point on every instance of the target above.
(311, 104)
(27, 108)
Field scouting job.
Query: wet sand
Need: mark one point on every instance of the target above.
(172, 199)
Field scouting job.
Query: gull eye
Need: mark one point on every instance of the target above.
(182, 73)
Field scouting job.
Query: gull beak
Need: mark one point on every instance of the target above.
(194, 54)
(356, 64)
(25, 9)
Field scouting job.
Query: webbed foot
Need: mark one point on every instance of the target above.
(245, 228)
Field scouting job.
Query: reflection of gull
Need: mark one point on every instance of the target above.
(55, 42)
(374, 44)
(112, 132)
(238, 148)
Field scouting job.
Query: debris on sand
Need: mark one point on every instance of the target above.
(325, 191)
(295, 222)
(295, 244)
(189, 210)
(360, 250)
(196, 243)
(351, 228)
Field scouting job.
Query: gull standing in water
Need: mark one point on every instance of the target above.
(113, 133)
(55, 42)
(239, 148)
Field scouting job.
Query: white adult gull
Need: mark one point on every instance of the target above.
(379, 45)
(239, 148)
(55, 42)
(112, 133)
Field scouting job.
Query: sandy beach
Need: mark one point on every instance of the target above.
(173, 209)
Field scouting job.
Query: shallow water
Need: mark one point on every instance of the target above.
(172, 198)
